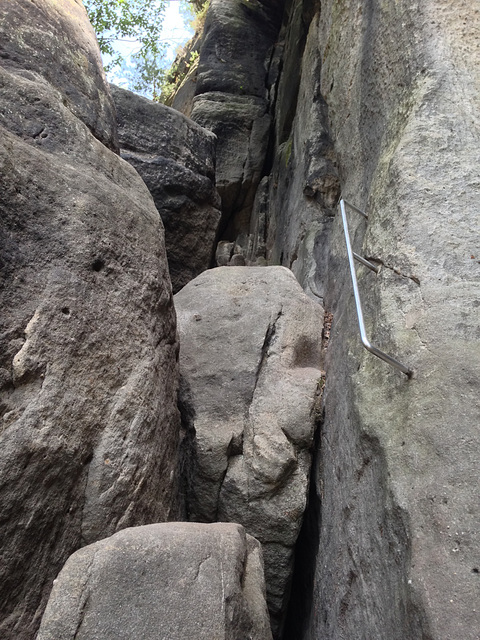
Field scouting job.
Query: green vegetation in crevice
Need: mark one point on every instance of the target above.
(141, 21)
(177, 74)
(198, 22)
(187, 59)
(287, 150)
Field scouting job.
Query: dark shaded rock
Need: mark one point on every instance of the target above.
(175, 581)
(231, 99)
(33, 32)
(89, 427)
(293, 210)
(250, 357)
(237, 39)
(176, 159)
(242, 126)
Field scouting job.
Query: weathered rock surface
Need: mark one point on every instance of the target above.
(250, 369)
(231, 99)
(385, 94)
(242, 126)
(176, 581)
(399, 522)
(89, 427)
(176, 159)
(294, 205)
(31, 31)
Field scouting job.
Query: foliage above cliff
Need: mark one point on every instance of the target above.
(136, 46)
(118, 21)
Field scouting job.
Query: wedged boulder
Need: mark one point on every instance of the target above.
(250, 363)
(176, 581)
(232, 99)
(176, 159)
(89, 426)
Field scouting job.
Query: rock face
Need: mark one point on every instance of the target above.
(382, 99)
(378, 98)
(231, 99)
(295, 204)
(175, 581)
(31, 31)
(250, 368)
(89, 426)
(399, 455)
(176, 159)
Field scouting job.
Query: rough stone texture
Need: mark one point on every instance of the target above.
(183, 74)
(293, 210)
(231, 99)
(388, 93)
(175, 581)
(183, 98)
(399, 535)
(250, 369)
(31, 31)
(89, 427)
(242, 126)
(176, 159)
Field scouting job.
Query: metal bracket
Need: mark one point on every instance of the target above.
(361, 325)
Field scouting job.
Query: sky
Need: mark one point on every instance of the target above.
(174, 32)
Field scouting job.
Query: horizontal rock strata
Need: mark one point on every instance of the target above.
(231, 99)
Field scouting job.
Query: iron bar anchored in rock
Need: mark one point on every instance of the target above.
(361, 325)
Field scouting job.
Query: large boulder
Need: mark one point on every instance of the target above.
(250, 370)
(89, 431)
(176, 581)
(176, 159)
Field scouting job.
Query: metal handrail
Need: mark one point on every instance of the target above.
(351, 261)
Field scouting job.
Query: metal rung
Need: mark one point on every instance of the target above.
(361, 325)
(365, 262)
(352, 206)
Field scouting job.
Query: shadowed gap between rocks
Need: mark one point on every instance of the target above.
(306, 550)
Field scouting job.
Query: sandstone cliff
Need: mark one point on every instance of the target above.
(90, 430)
(378, 100)
(309, 100)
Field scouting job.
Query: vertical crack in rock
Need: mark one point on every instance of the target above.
(200, 565)
(188, 443)
(301, 600)
(267, 342)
